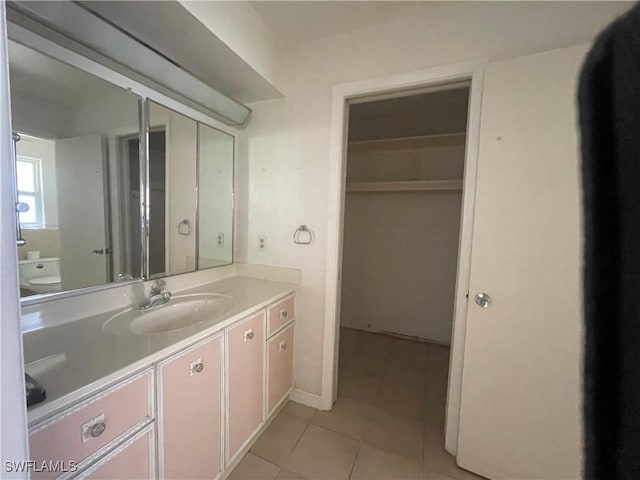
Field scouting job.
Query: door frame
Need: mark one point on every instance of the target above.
(399, 85)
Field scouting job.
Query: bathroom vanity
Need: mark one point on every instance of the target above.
(184, 403)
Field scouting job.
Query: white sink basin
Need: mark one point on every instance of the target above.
(180, 312)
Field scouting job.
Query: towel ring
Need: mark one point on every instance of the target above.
(303, 235)
(184, 227)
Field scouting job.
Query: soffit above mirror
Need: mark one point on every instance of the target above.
(184, 40)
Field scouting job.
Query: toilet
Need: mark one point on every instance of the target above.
(41, 275)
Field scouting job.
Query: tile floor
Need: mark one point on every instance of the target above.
(387, 423)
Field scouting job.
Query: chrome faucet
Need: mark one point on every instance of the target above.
(156, 296)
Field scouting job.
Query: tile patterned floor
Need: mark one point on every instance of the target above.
(388, 421)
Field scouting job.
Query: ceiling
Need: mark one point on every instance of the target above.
(297, 22)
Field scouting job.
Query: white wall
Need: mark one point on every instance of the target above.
(401, 248)
(400, 258)
(283, 154)
(240, 27)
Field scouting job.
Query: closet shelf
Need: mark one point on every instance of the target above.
(406, 186)
(408, 143)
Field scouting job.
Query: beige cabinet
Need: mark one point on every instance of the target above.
(190, 412)
(245, 381)
(279, 367)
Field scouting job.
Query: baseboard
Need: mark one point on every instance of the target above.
(306, 398)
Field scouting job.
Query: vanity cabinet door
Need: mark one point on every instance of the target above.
(279, 367)
(245, 350)
(190, 427)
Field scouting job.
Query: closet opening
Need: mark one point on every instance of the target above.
(405, 161)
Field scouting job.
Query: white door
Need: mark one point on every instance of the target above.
(82, 211)
(520, 415)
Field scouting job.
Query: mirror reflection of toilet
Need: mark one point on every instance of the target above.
(41, 275)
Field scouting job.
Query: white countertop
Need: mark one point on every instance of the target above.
(75, 359)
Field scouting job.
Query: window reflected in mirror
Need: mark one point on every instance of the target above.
(215, 197)
(68, 164)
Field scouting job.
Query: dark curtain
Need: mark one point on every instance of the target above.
(609, 104)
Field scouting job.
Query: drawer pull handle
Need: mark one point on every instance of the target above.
(283, 313)
(282, 346)
(98, 429)
(196, 366)
(248, 335)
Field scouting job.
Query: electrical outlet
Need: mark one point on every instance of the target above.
(262, 243)
(220, 240)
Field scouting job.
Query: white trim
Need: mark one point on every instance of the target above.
(13, 409)
(458, 335)
(306, 398)
(342, 94)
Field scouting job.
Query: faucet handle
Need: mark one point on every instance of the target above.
(157, 287)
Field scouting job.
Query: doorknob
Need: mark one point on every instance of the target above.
(483, 299)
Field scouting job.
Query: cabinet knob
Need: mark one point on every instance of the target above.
(197, 367)
(282, 346)
(248, 335)
(283, 313)
(98, 429)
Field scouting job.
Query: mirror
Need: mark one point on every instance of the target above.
(69, 164)
(215, 197)
(79, 171)
(172, 189)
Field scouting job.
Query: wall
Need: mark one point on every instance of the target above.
(401, 248)
(240, 27)
(400, 258)
(283, 171)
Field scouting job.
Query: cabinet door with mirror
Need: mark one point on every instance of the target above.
(84, 170)
(215, 197)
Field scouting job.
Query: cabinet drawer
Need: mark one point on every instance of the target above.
(280, 367)
(279, 315)
(83, 430)
(245, 357)
(132, 461)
